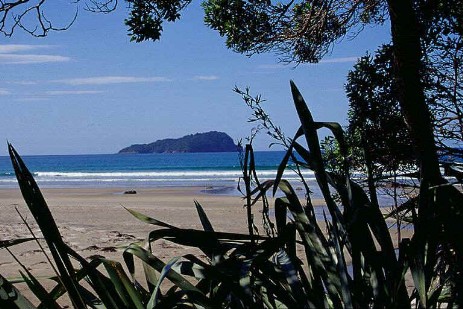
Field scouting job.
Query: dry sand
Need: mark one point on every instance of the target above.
(94, 221)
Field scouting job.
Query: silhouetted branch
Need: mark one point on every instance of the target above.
(30, 15)
(107, 6)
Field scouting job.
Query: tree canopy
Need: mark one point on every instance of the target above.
(375, 121)
(443, 78)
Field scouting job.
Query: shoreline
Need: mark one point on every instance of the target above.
(93, 221)
(76, 205)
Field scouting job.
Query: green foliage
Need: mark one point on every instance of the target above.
(10, 297)
(146, 17)
(300, 31)
(374, 102)
(243, 22)
(443, 76)
(376, 125)
(332, 157)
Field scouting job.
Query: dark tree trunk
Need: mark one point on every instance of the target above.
(408, 68)
(407, 61)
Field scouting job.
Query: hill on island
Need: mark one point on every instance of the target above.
(200, 142)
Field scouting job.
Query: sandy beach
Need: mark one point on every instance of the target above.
(94, 221)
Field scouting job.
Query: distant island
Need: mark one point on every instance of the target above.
(200, 142)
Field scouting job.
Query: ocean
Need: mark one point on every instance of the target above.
(217, 173)
(131, 171)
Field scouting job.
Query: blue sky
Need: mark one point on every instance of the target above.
(90, 90)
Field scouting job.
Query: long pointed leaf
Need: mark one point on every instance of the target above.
(311, 136)
(39, 291)
(12, 242)
(39, 209)
(125, 289)
(207, 226)
(285, 160)
(149, 220)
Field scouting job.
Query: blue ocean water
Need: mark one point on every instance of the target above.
(140, 170)
(215, 172)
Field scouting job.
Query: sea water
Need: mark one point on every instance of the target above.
(218, 173)
(209, 170)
